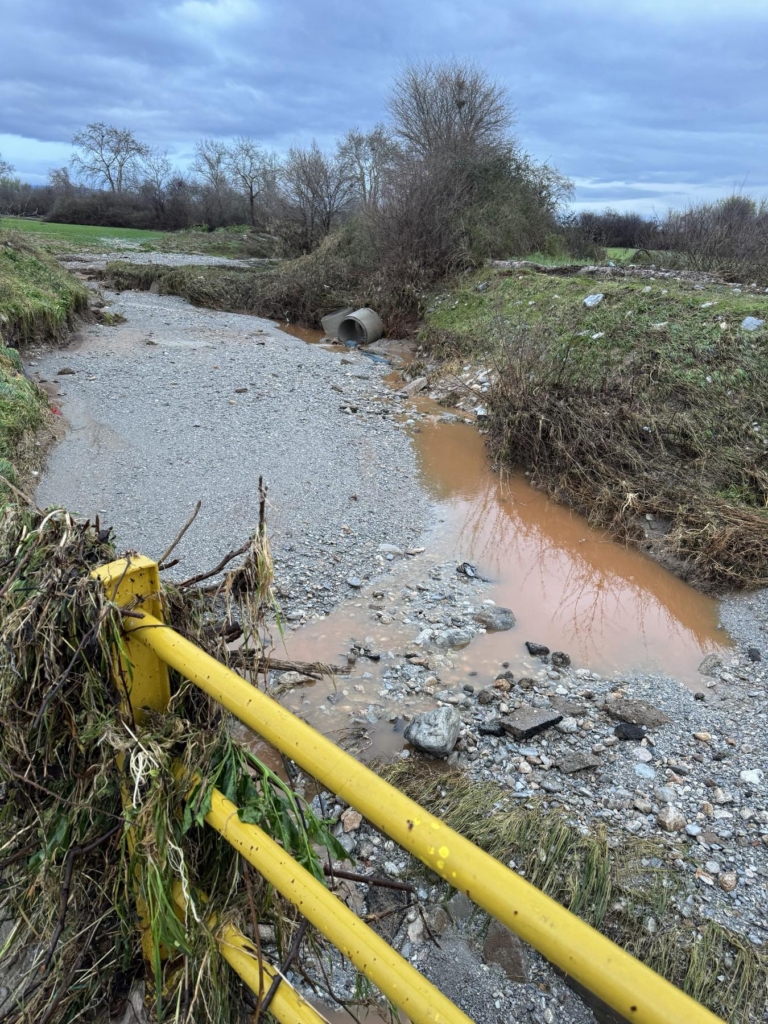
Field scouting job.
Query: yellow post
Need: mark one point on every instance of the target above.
(391, 973)
(628, 986)
(242, 956)
(142, 677)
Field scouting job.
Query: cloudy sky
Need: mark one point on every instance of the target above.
(645, 104)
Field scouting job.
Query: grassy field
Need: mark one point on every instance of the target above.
(38, 301)
(236, 242)
(648, 413)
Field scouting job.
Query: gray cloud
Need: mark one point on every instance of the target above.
(667, 96)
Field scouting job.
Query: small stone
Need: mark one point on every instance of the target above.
(627, 731)
(355, 582)
(721, 796)
(577, 762)
(670, 819)
(524, 768)
(415, 386)
(752, 777)
(296, 679)
(391, 549)
(643, 754)
(453, 638)
(485, 697)
(727, 880)
(644, 771)
(702, 737)
(753, 653)
(665, 795)
(593, 300)
(560, 659)
(527, 721)
(636, 712)
(537, 650)
(351, 820)
(569, 726)
(438, 920)
(65, 371)
(504, 948)
(711, 665)
(642, 805)
(416, 931)
(693, 829)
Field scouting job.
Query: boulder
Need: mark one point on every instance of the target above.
(435, 732)
(537, 650)
(560, 659)
(453, 638)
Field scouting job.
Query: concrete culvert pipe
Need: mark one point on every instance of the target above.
(363, 327)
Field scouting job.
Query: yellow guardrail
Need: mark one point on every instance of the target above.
(620, 980)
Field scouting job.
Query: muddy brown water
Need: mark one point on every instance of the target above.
(612, 608)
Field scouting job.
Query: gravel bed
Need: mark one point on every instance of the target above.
(180, 404)
(86, 262)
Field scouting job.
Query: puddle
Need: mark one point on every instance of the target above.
(612, 609)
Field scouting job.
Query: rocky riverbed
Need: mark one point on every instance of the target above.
(178, 404)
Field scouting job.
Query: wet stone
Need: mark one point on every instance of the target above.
(711, 665)
(528, 721)
(495, 618)
(537, 650)
(435, 732)
(485, 697)
(560, 659)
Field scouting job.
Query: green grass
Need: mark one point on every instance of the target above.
(38, 301)
(654, 403)
(234, 242)
(76, 234)
(38, 298)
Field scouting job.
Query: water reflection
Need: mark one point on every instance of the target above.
(571, 587)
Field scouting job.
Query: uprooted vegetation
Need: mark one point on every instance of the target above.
(646, 413)
(617, 886)
(93, 815)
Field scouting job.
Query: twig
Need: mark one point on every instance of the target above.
(161, 561)
(285, 967)
(207, 575)
(21, 494)
(353, 876)
(309, 668)
(74, 851)
(66, 673)
(256, 937)
(17, 856)
(15, 574)
(52, 1007)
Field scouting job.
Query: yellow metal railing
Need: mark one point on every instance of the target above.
(620, 980)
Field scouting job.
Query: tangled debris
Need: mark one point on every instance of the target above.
(93, 816)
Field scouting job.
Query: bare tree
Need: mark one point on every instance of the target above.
(107, 156)
(6, 169)
(367, 155)
(449, 107)
(156, 174)
(254, 173)
(210, 166)
(319, 188)
(60, 181)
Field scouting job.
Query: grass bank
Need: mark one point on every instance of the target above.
(615, 886)
(648, 413)
(38, 301)
(301, 290)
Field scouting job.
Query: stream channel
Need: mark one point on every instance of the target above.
(613, 609)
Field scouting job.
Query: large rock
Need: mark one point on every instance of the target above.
(711, 665)
(527, 721)
(577, 761)
(495, 618)
(504, 948)
(435, 732)
(636, 712)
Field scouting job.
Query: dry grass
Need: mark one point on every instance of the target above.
(69, 878)
(614, 885)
